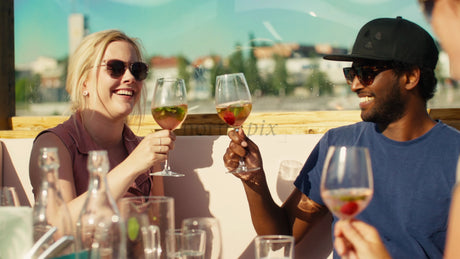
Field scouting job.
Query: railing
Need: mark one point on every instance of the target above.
(275, 123)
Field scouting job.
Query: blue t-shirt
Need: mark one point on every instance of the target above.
(413, 183)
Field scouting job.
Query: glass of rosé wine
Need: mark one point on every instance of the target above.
(347, 180)
(169, 109)
(233, 105)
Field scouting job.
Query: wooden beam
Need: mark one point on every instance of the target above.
(7, 83)
(261, 124)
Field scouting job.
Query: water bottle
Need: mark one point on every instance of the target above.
(50, 209)
(101, 232)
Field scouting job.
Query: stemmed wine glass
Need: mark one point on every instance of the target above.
(233, 105)
(347, 181)
(169, 109)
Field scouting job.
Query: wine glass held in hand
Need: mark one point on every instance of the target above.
(347, 181)
(169, 109)
(233, 105)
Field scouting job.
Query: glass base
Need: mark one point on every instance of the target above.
(243, 169)
(167, 173)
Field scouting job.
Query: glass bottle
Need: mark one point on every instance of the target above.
(50, 209)
(100, 230)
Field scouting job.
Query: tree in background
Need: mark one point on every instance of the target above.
(217, 69)
(318, 82)
(27, 89)
(251, 71)
(182, 64)
(279, 84)
(236, 60)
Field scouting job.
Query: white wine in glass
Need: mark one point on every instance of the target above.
(233, 105)
(169, 109)
(347, 180)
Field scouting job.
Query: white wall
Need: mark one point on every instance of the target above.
(207, 190)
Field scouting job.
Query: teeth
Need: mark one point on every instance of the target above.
(125, 92)
(366, 99)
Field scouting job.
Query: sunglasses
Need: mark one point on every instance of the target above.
(365, 74)
(427, 8)
(117, 68)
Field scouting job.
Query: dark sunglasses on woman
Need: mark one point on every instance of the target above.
(365, 74)
(117, 68)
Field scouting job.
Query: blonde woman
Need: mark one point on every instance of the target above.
(105, 84)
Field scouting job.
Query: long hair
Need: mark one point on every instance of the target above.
(89, 54)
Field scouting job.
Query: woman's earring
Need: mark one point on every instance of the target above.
(85, 93)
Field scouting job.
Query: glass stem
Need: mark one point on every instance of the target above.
(166, 167)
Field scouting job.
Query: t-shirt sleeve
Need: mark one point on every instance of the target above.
(309, 179)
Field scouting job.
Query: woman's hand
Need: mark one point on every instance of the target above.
(356, 239)
(152, 150)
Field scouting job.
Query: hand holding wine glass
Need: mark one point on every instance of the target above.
(347, 181)
(169, 109)
(233, 105)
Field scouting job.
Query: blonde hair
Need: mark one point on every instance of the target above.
(89, 54)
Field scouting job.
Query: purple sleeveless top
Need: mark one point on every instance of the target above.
(78, 143)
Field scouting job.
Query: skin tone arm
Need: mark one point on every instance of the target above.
(356, 239)
(453, 233)
(295, 216)
(147, 154)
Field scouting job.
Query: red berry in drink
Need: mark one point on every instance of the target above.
(349, 208)
(229, 118)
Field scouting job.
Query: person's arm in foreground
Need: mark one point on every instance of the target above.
(453, 229)
(297, 213)
(356, 239)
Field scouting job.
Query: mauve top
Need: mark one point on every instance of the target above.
(78, 142)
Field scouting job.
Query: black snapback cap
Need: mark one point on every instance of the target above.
(393, 39)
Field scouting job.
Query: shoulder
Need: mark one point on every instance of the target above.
(350, 132)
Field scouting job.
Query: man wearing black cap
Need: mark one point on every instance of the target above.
(414, 157)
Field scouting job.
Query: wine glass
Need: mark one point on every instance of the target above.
(347, 182)
(233, 105)
(169, 109)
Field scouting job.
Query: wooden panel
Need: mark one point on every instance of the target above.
(276, 123)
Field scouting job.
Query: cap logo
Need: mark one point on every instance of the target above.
(378, 36)
(368, 45)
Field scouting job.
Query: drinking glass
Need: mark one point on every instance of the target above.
(213, 234)
(159, 211)
(233, 105)
(288, 172)
(274, 247)
(143, 240)
(185, 244)
(9, 197)
(169, 109)
(347, 182)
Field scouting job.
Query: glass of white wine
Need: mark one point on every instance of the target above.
(347, 180)
(169, 109)
(233, 105)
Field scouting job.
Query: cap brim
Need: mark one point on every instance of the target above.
(353, 57)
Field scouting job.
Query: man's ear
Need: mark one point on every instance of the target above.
(412, 78)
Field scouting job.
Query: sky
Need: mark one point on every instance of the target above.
(195, 28)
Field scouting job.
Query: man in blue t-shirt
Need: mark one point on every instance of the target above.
(414, 157)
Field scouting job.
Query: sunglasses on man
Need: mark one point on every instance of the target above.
(365, 74)
(117, 68)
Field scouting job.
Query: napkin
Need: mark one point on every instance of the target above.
(15, 231)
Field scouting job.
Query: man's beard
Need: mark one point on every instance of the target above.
(387, 110)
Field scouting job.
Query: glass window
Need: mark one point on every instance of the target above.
(277, 44)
